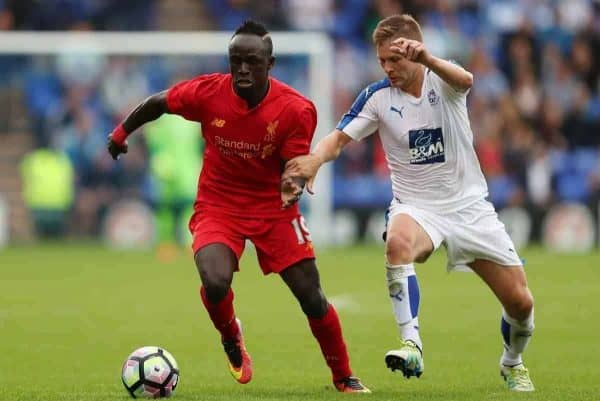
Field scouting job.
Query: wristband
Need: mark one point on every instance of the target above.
(119, 135)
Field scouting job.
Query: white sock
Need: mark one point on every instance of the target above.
(516, 335)
(404, 294)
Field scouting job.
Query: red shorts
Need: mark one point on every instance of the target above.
(280, 243)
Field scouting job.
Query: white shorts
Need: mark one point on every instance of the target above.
(474, 232)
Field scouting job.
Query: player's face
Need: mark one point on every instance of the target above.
(249, 63)
(400, 71)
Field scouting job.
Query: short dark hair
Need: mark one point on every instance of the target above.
(251, 27)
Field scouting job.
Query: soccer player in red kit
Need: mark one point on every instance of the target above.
(252, 124)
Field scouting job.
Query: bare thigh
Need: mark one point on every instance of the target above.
(407, 241)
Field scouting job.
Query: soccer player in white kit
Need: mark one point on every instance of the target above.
(420, 113)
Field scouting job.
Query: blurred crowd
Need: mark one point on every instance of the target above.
(59, 15)
(534, 106)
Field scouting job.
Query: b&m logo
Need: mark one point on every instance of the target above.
(426, 146)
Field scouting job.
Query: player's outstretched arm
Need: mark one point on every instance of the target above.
(454, 75)
(327, 149)
(149, 110)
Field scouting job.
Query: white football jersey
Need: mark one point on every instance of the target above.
(428, 142)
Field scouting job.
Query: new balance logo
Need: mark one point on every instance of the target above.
(392, 108)
(217, 122)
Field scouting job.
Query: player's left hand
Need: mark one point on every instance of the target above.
(114, 148)
(413, 50)
(291, 190)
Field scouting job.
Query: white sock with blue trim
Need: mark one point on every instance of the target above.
(516, 335)
(404, 293)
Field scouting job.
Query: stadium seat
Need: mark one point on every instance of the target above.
(366, 190)
(572, 186)
(559, 160)
(501, 189)
(42, 91)
(586, 160)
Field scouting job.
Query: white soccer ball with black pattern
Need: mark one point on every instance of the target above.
(150, 372)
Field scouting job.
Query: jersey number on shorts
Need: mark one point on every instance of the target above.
(301, 230)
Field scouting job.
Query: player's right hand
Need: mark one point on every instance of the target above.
(116, 149)
(411, 49)
(304, 166)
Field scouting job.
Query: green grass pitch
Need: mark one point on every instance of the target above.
(70, 314)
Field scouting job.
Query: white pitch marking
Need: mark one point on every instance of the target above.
(345, 302)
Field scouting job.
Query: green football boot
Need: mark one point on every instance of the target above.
(407, 359)
(517, 378)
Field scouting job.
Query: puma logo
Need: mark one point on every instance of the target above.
(392, 108)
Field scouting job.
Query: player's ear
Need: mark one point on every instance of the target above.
(271, 62)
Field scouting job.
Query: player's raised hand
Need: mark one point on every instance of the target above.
(304, 166)
(291, 190)
(114, 148)
(413, 50)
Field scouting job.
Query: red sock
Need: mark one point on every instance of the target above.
(328, 332)
(222, 314)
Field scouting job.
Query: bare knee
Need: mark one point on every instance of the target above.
(216, 279)
(400, 249)
(216, 286)
(313, 303)
(521, 305)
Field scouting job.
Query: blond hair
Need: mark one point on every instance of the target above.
(399, 25)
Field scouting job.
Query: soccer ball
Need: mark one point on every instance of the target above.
(150, 372)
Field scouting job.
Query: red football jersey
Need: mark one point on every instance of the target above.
(245, 148)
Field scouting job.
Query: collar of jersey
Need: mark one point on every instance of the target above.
(411, 98)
